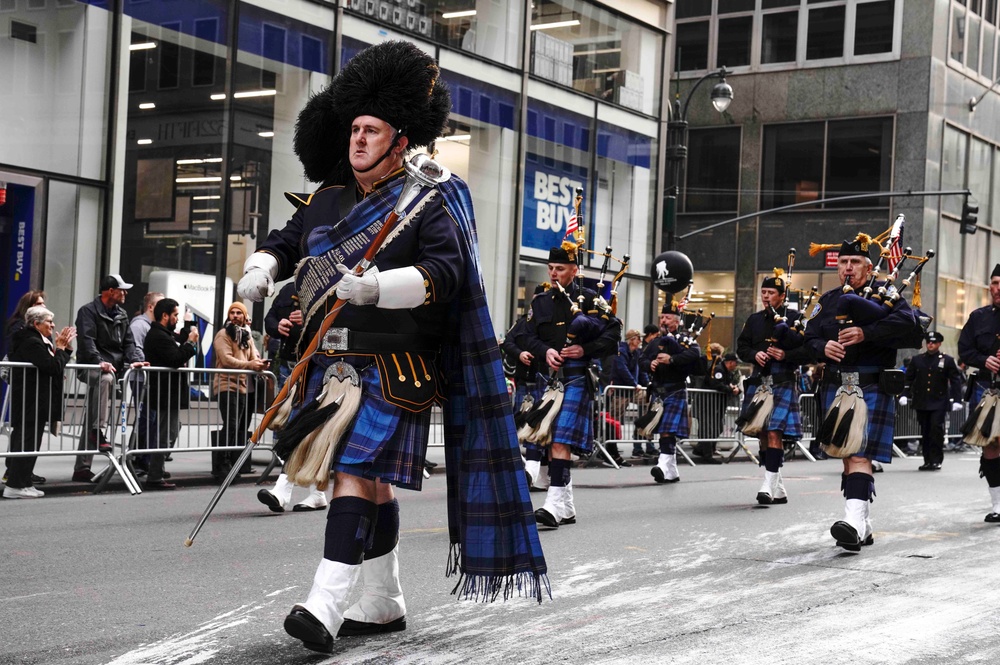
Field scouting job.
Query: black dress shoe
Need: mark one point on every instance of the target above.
(83, 476)
(924, 467)
(707, 460)
(270, 501)
(351, 627)
(37, 480)
(846, 536)
(546, 519)
(764, 499)
(657, 474)
(934, 467)
(302, 625)
(621, 461)
(992, 517)
(158, 485)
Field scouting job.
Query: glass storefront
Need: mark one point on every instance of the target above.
(199, 108)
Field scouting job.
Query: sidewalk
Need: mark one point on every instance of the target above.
(188, 469)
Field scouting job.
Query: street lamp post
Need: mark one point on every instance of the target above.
(676, 151)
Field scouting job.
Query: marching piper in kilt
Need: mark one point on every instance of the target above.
(413, 329)
(979, 347)
(859, 359)
(669, 360)
(775, 351)
(549, 333)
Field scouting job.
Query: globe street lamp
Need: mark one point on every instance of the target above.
(676, 151)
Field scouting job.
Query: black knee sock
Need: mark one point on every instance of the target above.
(668, 445)
(386, 530)
(990, 470)
(349, 527)
(559, 475)
(773, 459)
(532, 454)
(859, 486)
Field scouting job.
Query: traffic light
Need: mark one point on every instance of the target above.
(970, 215)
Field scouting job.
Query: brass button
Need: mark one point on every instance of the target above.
(402, 378)
(416, 384)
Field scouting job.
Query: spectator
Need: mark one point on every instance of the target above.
(283, 324)
(105, 340)
(722, 377)
(36, 396)
(234, 349)
(166, 392)
(16, 320)
(139, 325)
(625, 372)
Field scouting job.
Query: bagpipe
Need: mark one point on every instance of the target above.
(844, 427)
(534, 418)
(799, 300)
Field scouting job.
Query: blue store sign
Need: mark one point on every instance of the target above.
(549, 192)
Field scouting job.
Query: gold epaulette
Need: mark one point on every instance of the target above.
(297, 199)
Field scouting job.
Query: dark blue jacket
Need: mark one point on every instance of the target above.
(933, 381)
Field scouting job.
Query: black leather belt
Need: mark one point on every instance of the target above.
(864, 378)
(343, 340)
(782, 377)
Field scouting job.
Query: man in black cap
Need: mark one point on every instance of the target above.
(362, 400)
(979, 347)
(566, 328)
(775, 351)
(933, 387)
(104, 339)
(669, 360)
(858, 354)
(722, 377)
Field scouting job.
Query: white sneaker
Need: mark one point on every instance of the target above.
(35, 491)
(20, 493)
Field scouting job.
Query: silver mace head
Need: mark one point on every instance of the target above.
(421, 171)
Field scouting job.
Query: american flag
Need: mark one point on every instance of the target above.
(896, 244)
(571, 225)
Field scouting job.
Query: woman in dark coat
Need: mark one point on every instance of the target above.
(36, 394)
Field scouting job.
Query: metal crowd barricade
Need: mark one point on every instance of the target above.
(907, 427)
(199, 420)
(78, 408)
(713, 419)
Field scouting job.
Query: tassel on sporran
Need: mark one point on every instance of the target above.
(846, 425)
(285, 410)
(310, 462)
(544, 414)
(983, 426)
(522, 413)
(647, 423)
(758, 412)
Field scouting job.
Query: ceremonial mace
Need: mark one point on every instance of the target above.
(421, 171)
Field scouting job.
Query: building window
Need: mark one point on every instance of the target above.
(713, 170)
(778, 41)
(957, 49)
(825, 38)
(873, 28)
(692, 46)
(810, 161)
(735, 38)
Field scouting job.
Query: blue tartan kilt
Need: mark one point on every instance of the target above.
(675, 419)
(785, 415)
(384, 442)
(881, 421)
(573, 426)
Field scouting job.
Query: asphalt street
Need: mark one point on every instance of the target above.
(693, 572)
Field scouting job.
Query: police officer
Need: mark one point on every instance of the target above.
(933, 385)
(859, 352)
(775, 353)
(669, 360)
(979, 347)
(568, 341)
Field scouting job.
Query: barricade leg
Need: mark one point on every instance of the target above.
(98, 408)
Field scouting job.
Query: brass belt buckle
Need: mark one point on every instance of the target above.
(335, 339)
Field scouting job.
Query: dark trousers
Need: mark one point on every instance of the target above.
(24, 437)
(235, 419)
(932, 434)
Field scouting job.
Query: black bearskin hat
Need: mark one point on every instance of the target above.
(394, 81)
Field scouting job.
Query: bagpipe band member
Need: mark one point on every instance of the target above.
(415, 328)
(860, 357)
(529, 384)
(775, 352)
(933, 388)
(567, 341)
(668, 361)
(979, 347)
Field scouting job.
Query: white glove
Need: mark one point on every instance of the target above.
(957, 406)
(357, 289)
(903, 401)
(258, 277)
(399, 288)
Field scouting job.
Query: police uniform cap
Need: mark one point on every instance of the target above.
(730, 356)
(934, 336)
